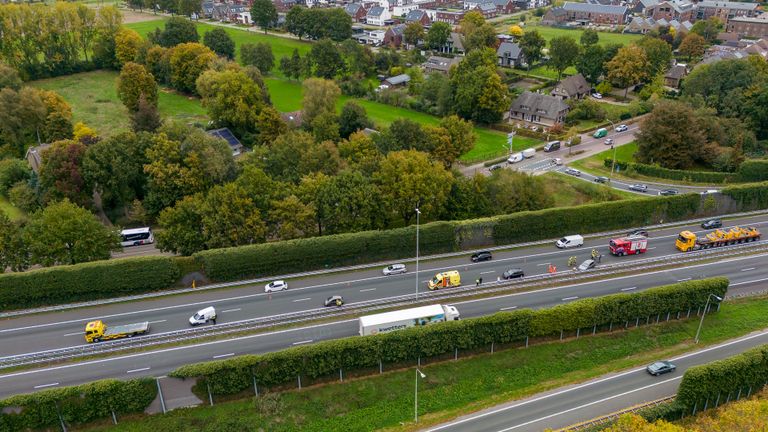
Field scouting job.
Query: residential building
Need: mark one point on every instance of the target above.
(234, 144)
(510, 55)
(680, 10)
(401, 80)
(644, 7)
(585, 13)
(488, 10)
(504, 7)
(403, 11)
(378, 16)
(530, 4)
(725, 10)
(284, 5)
(750, 27)
(440, 64)
(356, 11)
(394, 36)
(573, 87)
(538, 108)
(419, 16)
(555, 16)
(640, 25)
(449, 16)
(675, 75)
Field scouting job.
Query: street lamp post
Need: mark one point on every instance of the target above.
(703, 314)
(416, 396)
(510, 137)
(613, 164)
(418, 213)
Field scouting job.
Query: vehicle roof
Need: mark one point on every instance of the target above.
(418, 312)
(396, 265)
(136, 230)
(208, 309)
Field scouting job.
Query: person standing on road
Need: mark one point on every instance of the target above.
(480, 281)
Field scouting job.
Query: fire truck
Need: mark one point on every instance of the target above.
(628, 245)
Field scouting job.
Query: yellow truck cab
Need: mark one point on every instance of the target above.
(445, 280)
(686, 241)
(97, 331)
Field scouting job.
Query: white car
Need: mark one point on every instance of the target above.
(394, 269)
(517, 157)
(621, 128)
(573, 172)
(278, 285)
(597, 95)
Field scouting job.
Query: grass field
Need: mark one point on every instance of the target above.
(594, 164)
(548, 33)
(454, 388)
(281, 47)
(286, 96)
(568, 191)
(94, 101)
(12, 212)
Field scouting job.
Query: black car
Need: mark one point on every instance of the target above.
(334, 301)
(660, 367)
(481, 256)
(713, 223)
(602, 179)
(513, 273)
(668, 192)
(494, 167)
(638, 233)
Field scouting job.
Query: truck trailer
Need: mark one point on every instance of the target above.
(97, 331)
(687, 241)
(397, 320)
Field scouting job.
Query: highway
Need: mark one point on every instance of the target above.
(40, 332)
(745, 273)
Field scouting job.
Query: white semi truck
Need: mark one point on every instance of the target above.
(396, 320)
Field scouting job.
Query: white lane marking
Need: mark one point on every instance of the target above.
(543, 264)
(138, 370)
(301, 300)
(223, 355)
(570, 298)
(368, 289)
(231, 310)
(684, 279)
(628, 289)
(302, 342)
(486, 272)
(46, 385)
(748, 269)
(591, 383)
(509, 308)
(74, 334)
(652, 248)
(157, 322)
(749, 282)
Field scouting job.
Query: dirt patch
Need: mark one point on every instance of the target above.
(132, 16)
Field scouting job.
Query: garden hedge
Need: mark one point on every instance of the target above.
(327, 358)
(673, 174)
(76, 405)
(753, 196)
(722, 380)
(88, 281)
(753, 170)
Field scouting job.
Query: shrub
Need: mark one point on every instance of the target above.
(753, 170)
(749, 196)
(673, 174)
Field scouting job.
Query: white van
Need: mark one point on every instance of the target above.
(529, 153)
(710, 191)
(517, 157)
(570, 241)
(203, 316)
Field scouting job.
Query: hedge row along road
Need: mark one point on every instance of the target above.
(746, 274)
(33, 333)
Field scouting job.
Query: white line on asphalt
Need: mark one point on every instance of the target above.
(684, 279)
(138, 370)
(74, 334)
(570, 298)
(628, 289)
(748, 269)
(543, 264)
(231, 310)
(302, 342)
(749, 282)
(223, 355)
(368, 289)
(157, 322)
(46, 385)
(509, 308)
(301, 300)
(492, 271)
(652, 248)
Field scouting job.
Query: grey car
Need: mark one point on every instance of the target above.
(602, 179)
(638, 187)
(660, 367)
(668, 192)
(573, 172)
(588, 264)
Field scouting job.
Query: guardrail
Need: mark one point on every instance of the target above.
(373, 305)
(382, 264)
(613, 416)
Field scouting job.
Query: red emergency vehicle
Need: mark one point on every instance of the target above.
(628, 245)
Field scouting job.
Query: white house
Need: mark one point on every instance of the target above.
(378, 16)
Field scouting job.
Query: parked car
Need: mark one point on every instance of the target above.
(394, 269)
(608, 141)
(638, 187)
(668, 192)
(621, 128)
(481, 256)
(570, 241)
(573, 172)
(335, 300)
(586, 265)
(494, 167)
(660, 367)
(557, 161)
(641, 232)
(602, 179)
(278, 285)
(712, 223)
(597, 95)
(513, 273)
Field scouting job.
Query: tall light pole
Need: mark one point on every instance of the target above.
(416, 396)
(703, 314)
(613, 164)
(510, 137)
(418, 213)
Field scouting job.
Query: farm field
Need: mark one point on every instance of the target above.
(94, 101)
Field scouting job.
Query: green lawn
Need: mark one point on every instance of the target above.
(548, 33)
(12, 212)
(286, 97)
(94, 101)
(543, 71)
(595, 163)
(281, 47)
(568, 191)
(454, 388)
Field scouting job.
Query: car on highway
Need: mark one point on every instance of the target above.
(709, 192)
(335, 300)
(640, 232)
(637, 187)
(394, 269)
(597, 95)
(278, 285)
(660, 367)
(557, 161)
(203, 316)
(570, 241)
(586, 265)
(712, 223)
(573, 172)
(668, 192)
(608, 141)
(513, 273)
(621, 128)
(602, 179)
(494, 167)
(481, 256)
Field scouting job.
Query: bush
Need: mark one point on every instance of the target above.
(77, 405)
(752, 170)
(326, 358)
(673, 174)
(88, 281)
(749, 196)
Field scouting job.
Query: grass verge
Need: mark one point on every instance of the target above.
(568, 191)
(453, 388)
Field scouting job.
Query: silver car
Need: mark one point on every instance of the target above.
(586, 265)
(394, 269)
(278, 285)
(573, 172)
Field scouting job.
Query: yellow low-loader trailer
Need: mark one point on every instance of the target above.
(97, 331)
